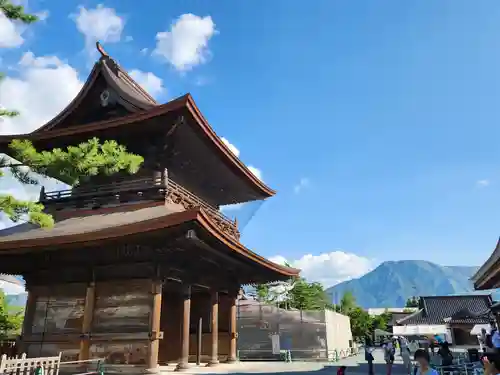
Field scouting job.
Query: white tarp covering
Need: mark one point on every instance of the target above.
(476, 330)
(412, 330)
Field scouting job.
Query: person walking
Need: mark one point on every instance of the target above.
(406, 356)
(389, 356)
(369, 356)
(482, 340)
(445, 353)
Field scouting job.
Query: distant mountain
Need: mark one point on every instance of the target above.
(18, 300)
(392, 283)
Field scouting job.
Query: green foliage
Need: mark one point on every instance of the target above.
(69, 166)
(16, 210)
(361, 323)
(303, 296)
(308, 296)
(412, 302)
(263, 292)
(381, 321)
(76, 162)
(348, 302)
(16, 12)
(11, 318)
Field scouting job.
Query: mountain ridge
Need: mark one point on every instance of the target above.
(393, 282)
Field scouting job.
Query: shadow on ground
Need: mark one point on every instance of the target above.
(352, 368)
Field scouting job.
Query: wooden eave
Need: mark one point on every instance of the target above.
(158, 223)
(132, 95)
(185, 102)
(485, 277)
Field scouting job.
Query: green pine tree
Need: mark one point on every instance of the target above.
(70, 165)
(11, 318)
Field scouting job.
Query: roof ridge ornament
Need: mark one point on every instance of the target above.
(101, 49)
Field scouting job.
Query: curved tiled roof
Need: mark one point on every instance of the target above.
(130, 94)
(98, 227)
(136, 119)
(466, 309)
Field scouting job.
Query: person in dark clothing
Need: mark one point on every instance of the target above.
(341, 370)
(432, 346)
(369, 358)
(445, 353)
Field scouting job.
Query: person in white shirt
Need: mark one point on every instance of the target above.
(482, 339)
(405, 355)
(424, 368)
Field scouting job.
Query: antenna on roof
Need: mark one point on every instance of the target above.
(101, 50)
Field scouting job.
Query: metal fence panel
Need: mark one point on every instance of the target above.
(303, 333)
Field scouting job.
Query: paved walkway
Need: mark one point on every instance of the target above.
(355, 365)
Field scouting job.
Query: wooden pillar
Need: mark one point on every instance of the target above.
(29, 315)
(233, 334)
(88, 314)
(186, 317)
(155, 335)
(214, 358)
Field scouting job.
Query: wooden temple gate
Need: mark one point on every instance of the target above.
(134, 261)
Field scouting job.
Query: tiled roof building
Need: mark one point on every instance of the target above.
(458, 313)
(468, 309)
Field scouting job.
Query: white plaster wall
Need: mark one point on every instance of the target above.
(338, 332)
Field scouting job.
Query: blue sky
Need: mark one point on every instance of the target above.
(385, 113)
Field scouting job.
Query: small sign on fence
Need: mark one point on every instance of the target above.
(275, 342)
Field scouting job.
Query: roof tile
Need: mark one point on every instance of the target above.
(469, 309)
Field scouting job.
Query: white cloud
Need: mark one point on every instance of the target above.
(329, 268)
(10, 33)
(144, 51)
(231, 207)
(150, 82)
(231, 147)
(45, 85)
(185, 45)
(202, 81)
(256, 172)
(43, 15)
(483, 183)
(304, 183)
(98, 24)
(129, 38)
(11, 288)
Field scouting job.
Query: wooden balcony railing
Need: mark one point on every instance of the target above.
(156, 187)
(178, 194)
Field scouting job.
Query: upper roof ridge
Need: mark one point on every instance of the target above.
(100, 49)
